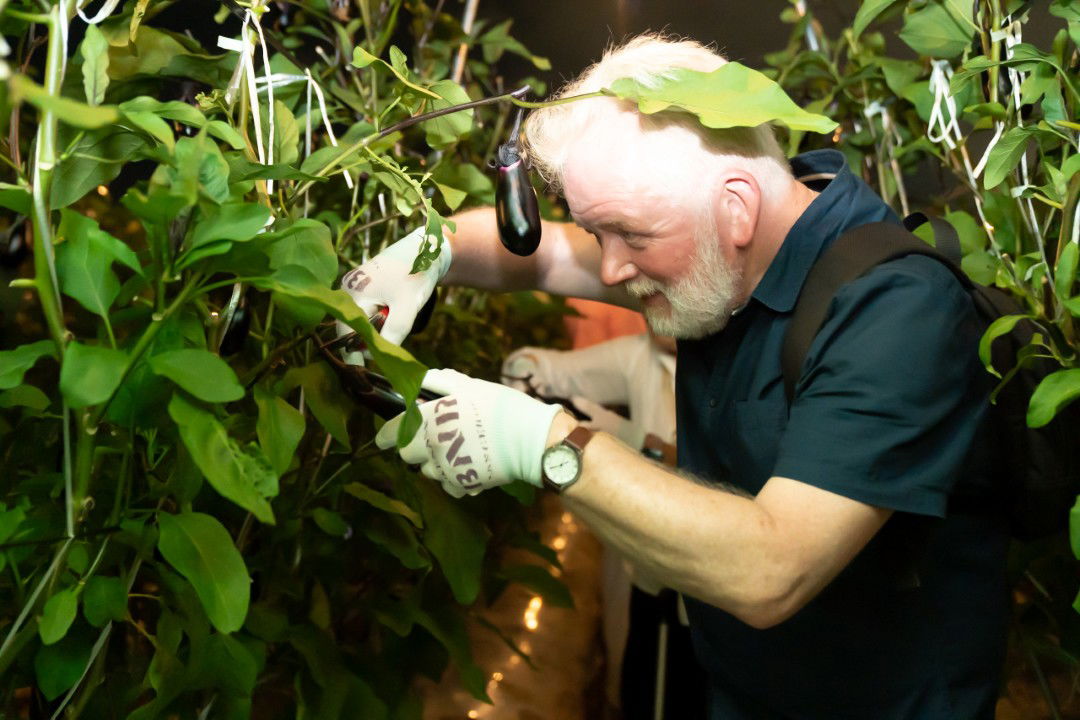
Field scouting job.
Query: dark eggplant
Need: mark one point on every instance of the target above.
(13, 246)
(236, 329)
(516, 209)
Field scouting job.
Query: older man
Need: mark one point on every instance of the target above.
(827, 572)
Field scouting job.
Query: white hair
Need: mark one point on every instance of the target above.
(674, 143)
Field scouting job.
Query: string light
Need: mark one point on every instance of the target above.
(531, 613)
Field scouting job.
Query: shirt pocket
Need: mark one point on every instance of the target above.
(757, 432)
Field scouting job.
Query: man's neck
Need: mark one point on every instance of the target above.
(777, 216)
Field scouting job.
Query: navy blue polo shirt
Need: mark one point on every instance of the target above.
(888, 411)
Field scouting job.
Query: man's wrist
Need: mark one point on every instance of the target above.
(561, 426)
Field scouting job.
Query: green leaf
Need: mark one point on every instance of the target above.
(1006, 155)
(90, 374)
(15, 363)
(331, 522)
(497, 40)
(397, 537)
(201, 373)
(1054, 392)
(1002, 326)
(16, 197)
(67, 110)
(245, 477)
(83, 260)
(95, 69)
(456, 539)
(324, 396)
(229, 665)
(59, 666)
(280, 427)
(1065, 272)
(235, 221)
(153, 126)
(104, 599)
(24, 396)
(201, 550)
(539, 580)
(362, 58)
(942, 29)
(442, 132)
(972, 235)
(95, 160)
(286, 134)
(57, 616)
(305, 243)
(449, 629)
(403, 371)
(733, 95)
(384, 502)
(169, 110)
(868, 12)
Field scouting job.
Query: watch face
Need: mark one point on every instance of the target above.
(561, 464)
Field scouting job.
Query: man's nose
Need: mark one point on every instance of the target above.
(615, 265)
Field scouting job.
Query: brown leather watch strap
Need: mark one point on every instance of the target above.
(579, 437)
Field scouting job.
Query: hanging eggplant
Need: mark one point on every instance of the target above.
(237, 323)
(13, 245)
(516, 210)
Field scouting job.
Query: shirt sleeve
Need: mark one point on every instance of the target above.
(891, 392)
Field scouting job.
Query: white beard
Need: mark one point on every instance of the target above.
(701, 303)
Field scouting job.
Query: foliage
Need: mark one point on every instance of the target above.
(990, 122)
(195, 507)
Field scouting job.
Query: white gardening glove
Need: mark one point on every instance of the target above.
(479, 435)
(609, 422)
(528, 369)
(386, 280)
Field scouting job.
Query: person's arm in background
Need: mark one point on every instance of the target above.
(566, 263)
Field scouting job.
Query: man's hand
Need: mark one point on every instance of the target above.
(527, 369)
(609, 422)
(477, 436)
(387, 280)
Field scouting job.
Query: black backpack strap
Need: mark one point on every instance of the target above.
(849, 257)
(946, 239)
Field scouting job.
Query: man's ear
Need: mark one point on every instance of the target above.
(738, 201)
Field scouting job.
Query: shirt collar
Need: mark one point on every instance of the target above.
(846, 201)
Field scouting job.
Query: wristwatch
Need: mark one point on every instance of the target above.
(561, 463)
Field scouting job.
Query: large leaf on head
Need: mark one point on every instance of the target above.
(1054, 392)
(89, 374)
(733, 95)
(15, 363)
(239, 474)
(401, 368)
(202, 550)
(942, 29)
(201, 373)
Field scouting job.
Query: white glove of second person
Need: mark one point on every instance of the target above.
(387, 280)
(528, 368)
(479, 435)
(609, 422)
